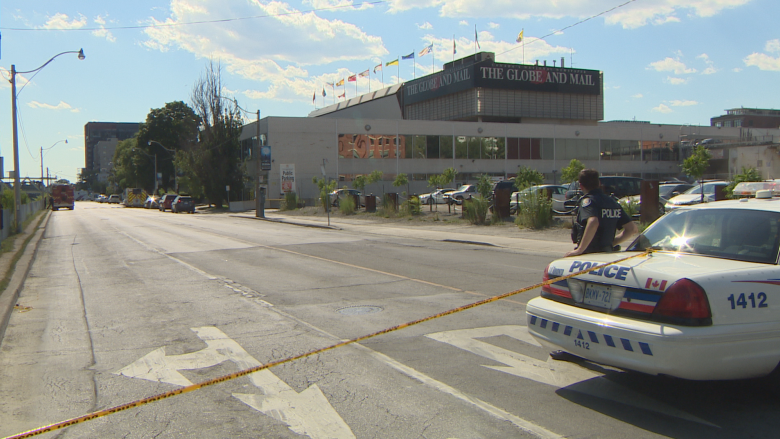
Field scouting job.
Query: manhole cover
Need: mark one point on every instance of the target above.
(359, 310)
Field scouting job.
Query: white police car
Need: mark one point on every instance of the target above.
(704, 305)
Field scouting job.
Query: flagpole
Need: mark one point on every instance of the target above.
(433, 59)
(522, 31)
(399, 69)
(453, 47)
(414, 63)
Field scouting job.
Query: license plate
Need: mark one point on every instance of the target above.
(597, 295)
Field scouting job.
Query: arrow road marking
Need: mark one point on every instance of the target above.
(307, 413)
(554, 373)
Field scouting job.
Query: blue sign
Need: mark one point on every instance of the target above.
(265, 158)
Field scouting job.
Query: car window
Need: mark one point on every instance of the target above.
(738, 234)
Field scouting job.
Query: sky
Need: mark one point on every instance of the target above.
(663, 61)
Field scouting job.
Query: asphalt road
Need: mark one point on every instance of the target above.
(123, 304)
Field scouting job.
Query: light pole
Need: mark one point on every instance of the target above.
(17, 183)
(42, 148)
(259, 197)
(155, 166)
(175, 177)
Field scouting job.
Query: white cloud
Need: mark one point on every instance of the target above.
(637, 96)
(61, 106)
(710, 65)
(671, 65)
(103, 32)
(631, 16)
(493, 25)
(463, 23)
(676, 81)
(245, 49)
(764, 61)
(425, 26)
(736, 70)
(678, 103)
(662, 109)
(541, 49)
(62, 21)
(337, 4)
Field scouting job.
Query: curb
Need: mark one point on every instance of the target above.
(280, 221)
(9, 296)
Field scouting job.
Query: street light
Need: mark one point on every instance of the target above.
(155, 166)
(42, 149)
(17, 183)
(259, 192)
(175, 177)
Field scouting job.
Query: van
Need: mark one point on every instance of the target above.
(618, 186)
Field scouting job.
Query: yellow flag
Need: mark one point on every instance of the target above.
(392, 63)
(520, 36)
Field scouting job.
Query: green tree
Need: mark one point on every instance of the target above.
(166, 131)
(325, 187)
(571, 172)
(215, 159)
(360, 182)
(527, 177)
(401, 180)
(448, 176)
(695, 165)
(131, 167)
(484, 186)
(748, 174)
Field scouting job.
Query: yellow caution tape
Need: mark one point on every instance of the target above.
(190, 388)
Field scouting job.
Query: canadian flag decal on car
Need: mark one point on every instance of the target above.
(655, 284)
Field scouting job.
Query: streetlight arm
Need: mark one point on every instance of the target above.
(81, 57)
(161, 145)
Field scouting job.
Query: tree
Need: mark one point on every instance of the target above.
(175, 127)
(325, 187)
(527, 177)
(695, 165)
(401, 180)
(131, 167)
(215, 159)
(484, 186)
(748, 174)
(571, 172)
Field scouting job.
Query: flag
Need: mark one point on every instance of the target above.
(314, 97)
(331, 84)
(352, 78)
(378, 67)
(323, 92)
(476, 37)
(520, 36)
(427, 50)
(343, 95)
(340, 83)
(392, 63)
(454, 47)
(409, 56)
(364, 74)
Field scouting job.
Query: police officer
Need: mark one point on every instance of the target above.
(598, 218)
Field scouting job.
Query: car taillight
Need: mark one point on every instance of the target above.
(545, 277)
(685, 300)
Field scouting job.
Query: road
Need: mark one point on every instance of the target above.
(123, 304)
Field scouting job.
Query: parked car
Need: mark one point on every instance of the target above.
(516, 199)
(114, 199)
(617, 186)
(102, 198)
(693, 195)
(748, 189)
(183, 203)
(465, 192)
(152, 202)
(339, 193)
(165, 201)
(701, 306)
(435, 197)
(665, 192)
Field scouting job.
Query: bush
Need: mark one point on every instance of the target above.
(347, 205)
(631, 207)
(475, 210)
(8, 199)
(535, 210)
(290, 201)
(411, 206)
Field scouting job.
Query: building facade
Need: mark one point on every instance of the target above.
(748, 118)
(107, 135)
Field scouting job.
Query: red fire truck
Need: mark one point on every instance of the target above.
(62, 196)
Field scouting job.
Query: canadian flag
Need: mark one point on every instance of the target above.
(655, 284)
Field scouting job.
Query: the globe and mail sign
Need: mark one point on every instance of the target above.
(265, 158)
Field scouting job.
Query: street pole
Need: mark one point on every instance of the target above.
(259, 200)
(155, 174)
(17, 194)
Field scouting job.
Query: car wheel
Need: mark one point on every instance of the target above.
(459, 200)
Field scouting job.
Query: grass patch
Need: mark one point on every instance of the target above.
(8, 244)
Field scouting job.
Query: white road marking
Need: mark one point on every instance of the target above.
(307, 413)
(551, 372)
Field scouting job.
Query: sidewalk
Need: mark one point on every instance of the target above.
(550, 242)
(18, 271)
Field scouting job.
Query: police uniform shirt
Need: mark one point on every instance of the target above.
(611, 217)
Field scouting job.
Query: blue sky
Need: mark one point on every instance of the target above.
(664, 61)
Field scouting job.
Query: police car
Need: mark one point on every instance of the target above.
(704, 304)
